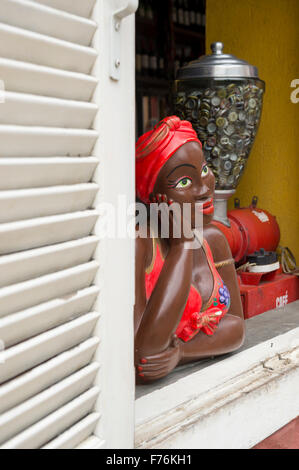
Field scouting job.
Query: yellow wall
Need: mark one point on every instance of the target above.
(266, 34)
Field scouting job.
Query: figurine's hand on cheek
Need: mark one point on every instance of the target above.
(170, 220)
(157, 366)
(159, 198)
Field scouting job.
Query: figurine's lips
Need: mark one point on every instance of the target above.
(207, 207)
(209, 210)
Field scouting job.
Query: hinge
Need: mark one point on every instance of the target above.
(116, 22)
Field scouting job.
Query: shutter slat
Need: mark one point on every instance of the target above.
(28, 354)
(48, 428)
(92, 442)
(29, 293)
(22, 141)
(34, 79)
(76, 434)
(47, 246)
(45, 20)
(28, 234)
(20, 44)
(77, 7)
(38, 202)
(29, 412)
(29, 264)
(22, 173)
(39, 378)
(36, 320)
(29, 110)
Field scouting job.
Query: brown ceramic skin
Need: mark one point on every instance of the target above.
(157, 350)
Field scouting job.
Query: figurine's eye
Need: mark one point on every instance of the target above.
(205, 171)
(184, 183)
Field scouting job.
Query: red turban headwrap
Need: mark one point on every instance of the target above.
(154, 148)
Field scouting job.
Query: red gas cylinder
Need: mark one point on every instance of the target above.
(251, 229)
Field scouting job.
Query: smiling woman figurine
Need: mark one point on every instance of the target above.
(187, 304)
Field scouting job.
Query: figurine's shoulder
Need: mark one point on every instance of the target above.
(217, 242)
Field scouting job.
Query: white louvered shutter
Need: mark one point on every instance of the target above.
(50, 392)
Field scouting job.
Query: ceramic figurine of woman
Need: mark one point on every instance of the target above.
(187, 304)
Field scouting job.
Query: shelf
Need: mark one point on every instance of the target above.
(163, 38)
(189, 33)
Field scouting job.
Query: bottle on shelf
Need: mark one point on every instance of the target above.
(192, 15)
(198, 15)
(161, 65)
(203, 14)
(181, 16)
(174, 12)
(187, 55)
(153, 61)
(178, 59)
(149, 11)
(138, 64)
(144, 60)
(186, 14)
(141, 9)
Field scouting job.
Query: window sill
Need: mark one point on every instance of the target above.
(205, 405)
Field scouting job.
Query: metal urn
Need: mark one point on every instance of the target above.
(222, 97)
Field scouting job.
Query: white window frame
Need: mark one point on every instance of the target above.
(194, 411)
(232, 404)
(115, 175)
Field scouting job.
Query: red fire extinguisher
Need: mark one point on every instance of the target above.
(250, 230)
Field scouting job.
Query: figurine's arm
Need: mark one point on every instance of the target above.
(230, 332)
(157, 319)
(228, 337)
(143, 255)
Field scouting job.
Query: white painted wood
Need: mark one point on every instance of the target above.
(46, 219)
(29, 264)
(35, 79)
(166, 398)
(30, 110)
(28, 234)
(21, 173)
(30, 383)
(77, 7)
(29, 293)
(33, 321)
(44, 20)
(92, 442)
(242, 422)
(29, 412)
(28, 354)
(204, 409)
(54, 424)
(38, 202)
(116, 101)
(20, 44)
(48, 291)
(23, 141)
(76, 434)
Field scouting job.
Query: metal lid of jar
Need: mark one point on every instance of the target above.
(217, 65)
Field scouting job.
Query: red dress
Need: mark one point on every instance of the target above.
(195, 317)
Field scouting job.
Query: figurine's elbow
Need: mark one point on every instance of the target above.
(237, 328)
(145, 347)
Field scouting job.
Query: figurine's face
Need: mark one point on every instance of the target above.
(186, 178)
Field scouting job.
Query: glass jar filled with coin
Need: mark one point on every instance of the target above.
(222, 97)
